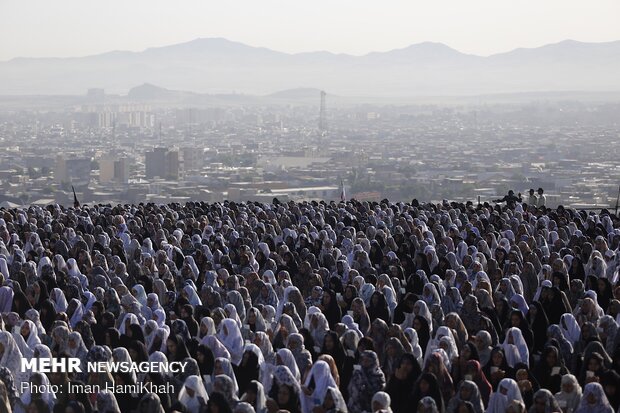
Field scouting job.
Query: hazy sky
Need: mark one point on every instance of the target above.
(37, 28)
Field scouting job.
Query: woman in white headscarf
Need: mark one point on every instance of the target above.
(507, 391)
(6, 299)
(34, 316)
(284, 300)
(230, 336)
(140, 294)
(223, 366)
(588, 310)
(193, 395)
(78, 312)
(192, 295)
(158, 343)
(231, 312)
(45, 392)
(152, 302)
(4, 269)
(594, 400)
(315, 386)
(216, 346)
(76, 347)
(366, 293)
(30, 333)
(506, 288)
(59, 300)
(235, 298)
(412, 337)
(421, 309)
(11, 356)
(207, 328)
(430, 295)
(381, 402)
(284, 357)
(189, 261)
(434, 344)
(27, 338)
(255, 396)
(348, 321)
(74, 271)
(318, 328)
(596, 265)
(570, 394)
(569, 327)
(121, 355)
(518, 301)
(128, 319)
(515, 348)
(544, 284)
(150, 332)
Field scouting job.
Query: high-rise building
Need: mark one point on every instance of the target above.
(113, 169)
(106, 170)
(162, 163)
(74, 171)
(192, 159)
(121, 170)
(172, 165)
(155, 163)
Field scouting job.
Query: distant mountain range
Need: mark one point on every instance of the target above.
(220, 66)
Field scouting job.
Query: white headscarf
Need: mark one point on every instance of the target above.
(140, 293)
(230, 336)
(227, 370)
(412, 336)
(47, 395)
(601, 403)
(192, 403)
(133, 319)
(33, 339)
(209, 324)
(322, 377)
(192, 296)
(77, 314)
(288, 360)
(517, 352)
(59, 300)
(519, 301)
(384, 400)
(12, 357)
(423, 311)
(216, 346)
(499, 401)
(6, 298)
(570, 328)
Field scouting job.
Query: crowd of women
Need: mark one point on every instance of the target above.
(313, 307)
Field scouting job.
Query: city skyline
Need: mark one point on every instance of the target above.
(481, 27)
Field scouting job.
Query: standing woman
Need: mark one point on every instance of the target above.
(427, 386)
(366, 381)
(316, 385)
(378, 308)
(360, 315)
(594, 400)
(538, 322)
(400, 383)
(435, 365)
(285, 394)
(569, 396)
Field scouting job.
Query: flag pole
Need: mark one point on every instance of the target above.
(76, 203)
